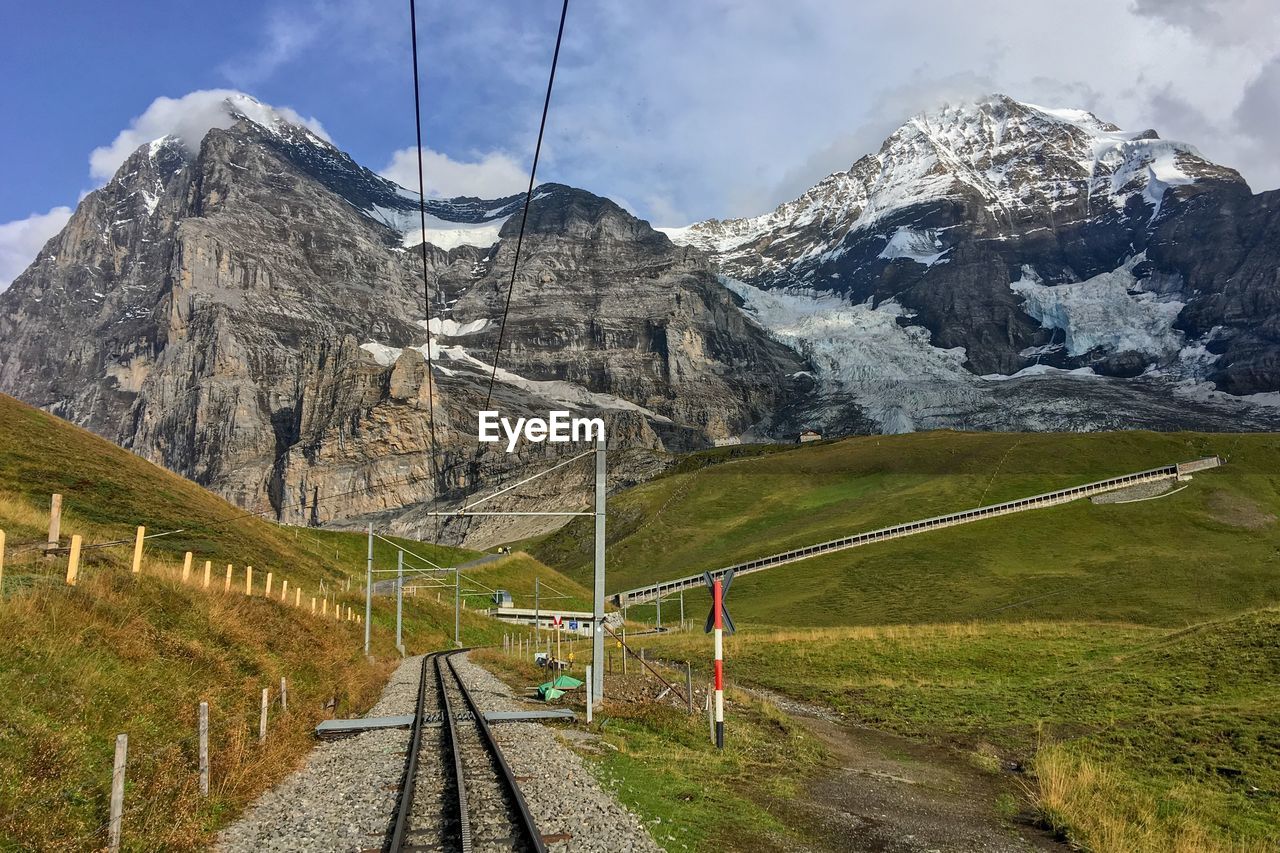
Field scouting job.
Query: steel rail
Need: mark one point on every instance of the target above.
(459, 777)
(526, 821)
(395, 841)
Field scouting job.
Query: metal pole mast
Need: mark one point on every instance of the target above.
(658, 617)
(457, 598)
(537, 614)
(368, 592)
(399, 599)
(597, 630)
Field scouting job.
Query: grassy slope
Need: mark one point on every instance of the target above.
(517, 573)
(1183, 721)
(1156, 736)
(1204, 552)
(119, 654)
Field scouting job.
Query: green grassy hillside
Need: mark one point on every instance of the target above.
(136, 654)
(1140, 738)
(1124, 655)
(1207, 551)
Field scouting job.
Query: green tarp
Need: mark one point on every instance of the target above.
(556, 687)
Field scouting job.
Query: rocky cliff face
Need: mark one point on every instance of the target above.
(249, 311)
(252, 315)
(1000, 242)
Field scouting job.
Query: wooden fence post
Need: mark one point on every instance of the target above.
(284, 694)
(226, 587)
(117, 793)
(284, 590)
(55, 523)
(137, 549)
(204, 749)
(297, 596)
(262, 719)
(73, 561)
(267, 593)
(324, 606)
(186, 566)
(248, 580)
(208, 569)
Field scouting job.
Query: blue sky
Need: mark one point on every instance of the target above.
(678, 110)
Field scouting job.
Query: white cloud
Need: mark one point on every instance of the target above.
(1222, 22)
(189, 118)
(22, 239)
(493, 175)
(286, 35)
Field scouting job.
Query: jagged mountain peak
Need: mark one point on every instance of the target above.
(1005, 155)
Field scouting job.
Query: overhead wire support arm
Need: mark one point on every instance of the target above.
(506, 489)
(464, 513)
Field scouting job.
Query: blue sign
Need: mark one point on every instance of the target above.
(573, 626)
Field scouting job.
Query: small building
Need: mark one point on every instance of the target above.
(809, 435)
(502, 598)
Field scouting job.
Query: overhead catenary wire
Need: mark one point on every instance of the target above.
(528, 198)
(524, 219)
(435, 473)
(422, 249)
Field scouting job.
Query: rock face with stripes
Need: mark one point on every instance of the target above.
(248, 310)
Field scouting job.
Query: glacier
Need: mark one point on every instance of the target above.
(1109, 312)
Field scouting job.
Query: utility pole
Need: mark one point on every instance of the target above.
(399, 600)
(597, 631)
(457, 599)
(368, 592)
(536, 612)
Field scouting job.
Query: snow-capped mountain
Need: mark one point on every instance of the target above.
(1013, 241)
(249, 311)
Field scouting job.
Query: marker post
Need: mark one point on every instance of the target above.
(717, 604)
(717, 621)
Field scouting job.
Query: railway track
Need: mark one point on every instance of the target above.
(457, 792)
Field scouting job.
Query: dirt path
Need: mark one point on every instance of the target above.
(888, 793)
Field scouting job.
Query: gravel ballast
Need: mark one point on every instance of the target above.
(562, 794)
(343, 798)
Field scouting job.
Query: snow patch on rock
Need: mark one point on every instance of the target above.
(923, 247)
(440, 233)
(452, 328)
(554, 391)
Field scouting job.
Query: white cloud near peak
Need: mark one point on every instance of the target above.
(189, 118)
(22, 239)
(490, 176)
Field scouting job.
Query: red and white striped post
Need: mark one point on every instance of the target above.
(717, 611)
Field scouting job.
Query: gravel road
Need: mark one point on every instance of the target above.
(342, 799)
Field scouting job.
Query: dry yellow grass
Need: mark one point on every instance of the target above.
(1097, 811)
